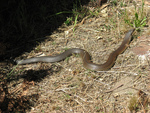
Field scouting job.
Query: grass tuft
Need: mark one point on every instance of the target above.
(133, 104)
(139, 18)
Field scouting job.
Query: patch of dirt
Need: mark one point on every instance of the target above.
(67, 86)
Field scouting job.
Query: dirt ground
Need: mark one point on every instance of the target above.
(67, 87)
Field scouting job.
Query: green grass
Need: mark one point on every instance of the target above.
(139, 19)
(23, 26)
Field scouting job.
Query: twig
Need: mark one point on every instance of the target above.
(65, 89)
(83, 99)
(117, 72)
(80, 103)
(110, 90)
(73, 95)
(101, 82)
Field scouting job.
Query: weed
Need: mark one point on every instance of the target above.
(114, 2)
(69, 79)
(94, 13)
(67, 96)
(53, 43)
(69, 21)
(75, 12)
(66, 48)
(122, 4)
(13, 72)
(67, 59)
(139, 19)
(97, 107)
(133, 104)
(75, 22)
(38, 48)
(78, 13)
(56, 108)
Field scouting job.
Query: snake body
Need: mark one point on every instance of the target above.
(85, 56)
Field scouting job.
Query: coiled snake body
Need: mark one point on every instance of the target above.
(85, 56)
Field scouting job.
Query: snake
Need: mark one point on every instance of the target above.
(86, 58)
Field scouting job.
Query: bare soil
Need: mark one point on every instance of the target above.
(68, 87)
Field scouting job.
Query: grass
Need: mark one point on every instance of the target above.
(133, 104)
(23, 24)
(25, 21)
(139, 19)
(83, 80)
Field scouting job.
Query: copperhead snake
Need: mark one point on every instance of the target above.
(85, 56)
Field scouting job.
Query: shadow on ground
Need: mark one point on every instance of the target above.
(25, 23)
(16, 98)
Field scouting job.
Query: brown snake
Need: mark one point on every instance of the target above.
(85, 56)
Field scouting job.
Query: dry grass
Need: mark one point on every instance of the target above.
(67, 86)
